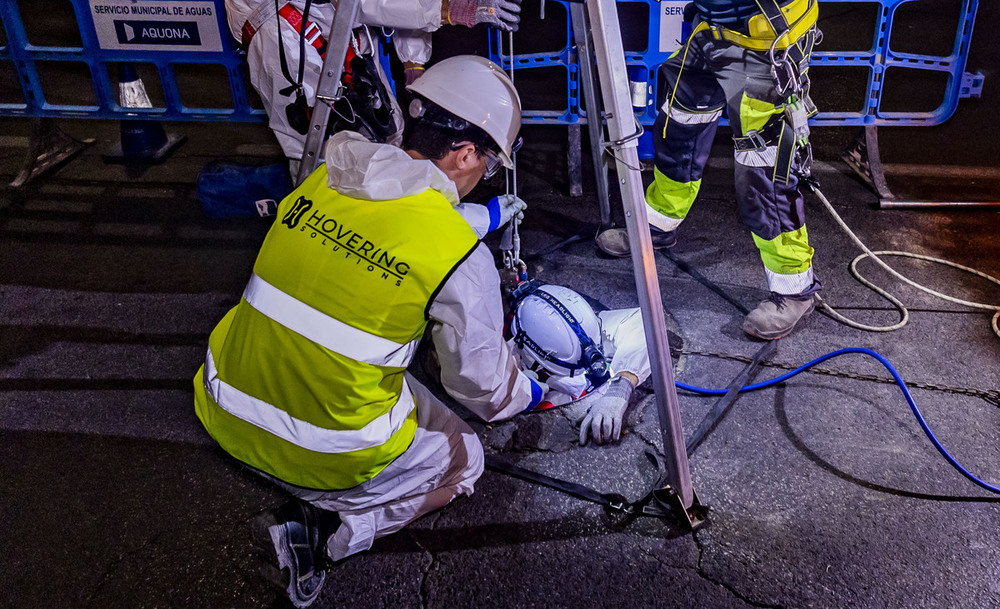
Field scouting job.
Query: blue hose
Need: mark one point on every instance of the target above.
(895, 375)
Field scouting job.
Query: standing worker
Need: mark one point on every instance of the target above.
(750, 58)
(305, 379)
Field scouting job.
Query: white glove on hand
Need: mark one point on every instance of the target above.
(504, 208)
(501, 14)
(605, 417)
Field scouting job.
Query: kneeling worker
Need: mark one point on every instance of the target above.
(305, 379)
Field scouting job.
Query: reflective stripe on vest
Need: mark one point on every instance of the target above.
(303, 433)
(325, 330)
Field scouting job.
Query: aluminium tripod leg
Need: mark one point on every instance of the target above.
(622, 131)
(328, 88)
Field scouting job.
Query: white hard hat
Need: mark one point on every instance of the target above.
(476, 89)
(555, 327)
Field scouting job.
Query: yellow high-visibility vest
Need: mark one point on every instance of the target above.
(304, 377)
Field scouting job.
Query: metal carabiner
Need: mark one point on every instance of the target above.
(786, 80)
(802, 161)
(783, 71)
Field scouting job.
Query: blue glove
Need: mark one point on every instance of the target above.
(503, 208)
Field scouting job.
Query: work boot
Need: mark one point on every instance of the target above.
(776, 317)
(291, 541)
(614, 241)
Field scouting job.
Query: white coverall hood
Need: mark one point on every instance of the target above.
(379, 172)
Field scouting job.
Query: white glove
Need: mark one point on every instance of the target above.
(604, 418)
(504, 208)
(501, 14)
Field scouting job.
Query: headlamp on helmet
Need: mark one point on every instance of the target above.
(553, 326)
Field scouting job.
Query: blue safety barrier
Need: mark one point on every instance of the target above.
(666, 30)
(882, 58)
(161, 33)
(106, 41)
(112, 32)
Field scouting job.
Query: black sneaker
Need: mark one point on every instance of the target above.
(614, 241)
(292, 546)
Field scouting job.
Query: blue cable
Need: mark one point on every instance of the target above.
(895, 375)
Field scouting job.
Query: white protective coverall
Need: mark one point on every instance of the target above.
(478, 368)
(412, 22)
(623, 341)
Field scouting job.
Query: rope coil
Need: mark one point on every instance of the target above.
(874, 255)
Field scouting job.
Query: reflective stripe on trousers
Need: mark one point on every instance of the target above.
(716, 75)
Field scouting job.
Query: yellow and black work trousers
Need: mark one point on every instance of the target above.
(698, 83)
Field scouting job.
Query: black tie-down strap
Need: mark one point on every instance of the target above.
(722, 407)
(661, 501)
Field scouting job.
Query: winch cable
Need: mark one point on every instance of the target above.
(899, 382)
(510, 240)
(904, 314)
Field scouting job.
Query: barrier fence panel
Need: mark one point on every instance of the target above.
(884, 58)
(653, 29)
(163, 38)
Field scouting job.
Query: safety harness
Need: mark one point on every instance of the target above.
(363, 104)
(787, 33)
(776, 26)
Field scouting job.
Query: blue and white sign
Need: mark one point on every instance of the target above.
(671, 25)
(157, 25)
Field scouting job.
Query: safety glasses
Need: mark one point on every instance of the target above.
(493, 164)
(493, 161)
